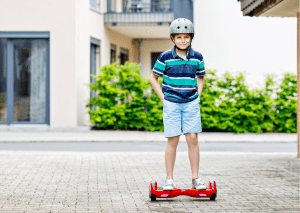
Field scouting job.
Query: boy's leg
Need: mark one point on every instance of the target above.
(172, 128)
(191, 125)
(170, 155)
(193, 146)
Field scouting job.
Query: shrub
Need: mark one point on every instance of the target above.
(127, 101)
(228, 105)
(120, 100)
(154, 111)
(285, 114)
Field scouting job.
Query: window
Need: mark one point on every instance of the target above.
(134, 6)
(24, 84)
(154, 57)
(137, 6)
(112, 5)
(160, 5)
(113, 53)
(126, 5)
(124, 56)
(95, 61)
(95, 5)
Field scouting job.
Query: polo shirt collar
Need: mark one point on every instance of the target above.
(191, 53)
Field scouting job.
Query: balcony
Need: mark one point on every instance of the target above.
(145, 18)
(283, 8)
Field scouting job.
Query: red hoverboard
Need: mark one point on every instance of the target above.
(158, 192)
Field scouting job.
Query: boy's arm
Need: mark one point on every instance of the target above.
(200, 84)
(156, 86)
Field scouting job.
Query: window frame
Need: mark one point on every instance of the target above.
(125, 52)
(95, 43)
(98, 6)
(113, 47)
(10, 74)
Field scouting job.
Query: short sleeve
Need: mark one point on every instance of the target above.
(159, 66)
(200, 67)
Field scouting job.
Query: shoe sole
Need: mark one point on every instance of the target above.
(168, 188)
(200, 188)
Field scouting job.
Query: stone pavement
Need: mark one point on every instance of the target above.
(38, 181)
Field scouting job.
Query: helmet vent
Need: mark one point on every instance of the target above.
(185, 27)
(178, 27)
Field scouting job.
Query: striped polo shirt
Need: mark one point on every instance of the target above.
(179, 75)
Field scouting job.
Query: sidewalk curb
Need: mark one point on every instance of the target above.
(142, 136)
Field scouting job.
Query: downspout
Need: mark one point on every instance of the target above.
(141, 54)
(298, 83)
(77, 42)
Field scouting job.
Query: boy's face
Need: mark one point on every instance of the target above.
(182, 40)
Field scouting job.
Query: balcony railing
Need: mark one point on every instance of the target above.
(114, 18)
(141, 6)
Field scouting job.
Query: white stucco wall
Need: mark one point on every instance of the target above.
(120, 40)
(152, 45)
(71, 25)
(257, 46)
(91, 24)
(58, 18)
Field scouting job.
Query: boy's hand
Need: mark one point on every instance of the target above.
(200, 84)
(156, 86)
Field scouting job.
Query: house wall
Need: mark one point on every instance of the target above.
(58, 18)
(120, 40)
(71, 25)
(91, 24)
(148, 46)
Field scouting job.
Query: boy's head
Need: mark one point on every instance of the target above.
(182, 32)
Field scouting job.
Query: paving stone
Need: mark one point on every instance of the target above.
(119, 182)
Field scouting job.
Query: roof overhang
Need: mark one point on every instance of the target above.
(143, 31)
(140, 25)
(275, 8)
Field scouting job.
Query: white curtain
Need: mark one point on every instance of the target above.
(38, 66)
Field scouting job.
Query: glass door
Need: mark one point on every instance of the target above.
(25, 98)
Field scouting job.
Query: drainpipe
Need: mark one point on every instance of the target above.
(141, 54)
(298, 82)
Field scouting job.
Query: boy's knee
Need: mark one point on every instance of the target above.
(173, 141)
(192, 136)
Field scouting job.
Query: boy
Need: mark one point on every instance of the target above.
(180, 94)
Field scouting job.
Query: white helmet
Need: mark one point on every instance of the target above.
(182, 25)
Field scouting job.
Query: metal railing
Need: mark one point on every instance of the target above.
(142, 6)
(113, 18)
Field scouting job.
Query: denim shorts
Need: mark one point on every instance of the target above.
(181, 118)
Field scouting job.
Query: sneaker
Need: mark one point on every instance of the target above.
(169, 184)
(198, 184)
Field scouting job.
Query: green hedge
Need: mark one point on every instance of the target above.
(127, 101)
